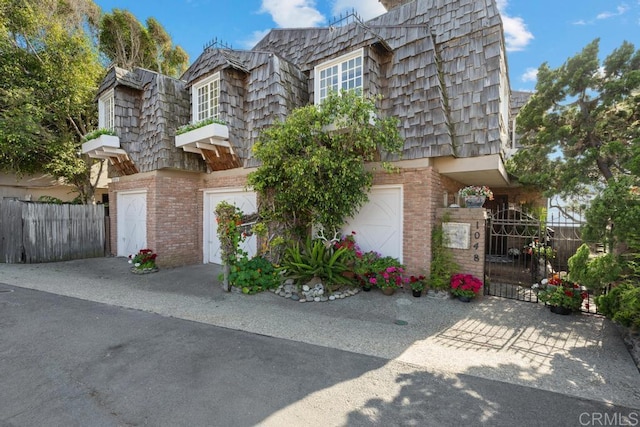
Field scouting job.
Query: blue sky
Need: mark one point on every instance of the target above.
(536, 31)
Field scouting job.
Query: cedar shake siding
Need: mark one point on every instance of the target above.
(447, 76)
(148, 108)
(439, 66)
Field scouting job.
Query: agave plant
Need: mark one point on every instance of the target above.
(315, 259)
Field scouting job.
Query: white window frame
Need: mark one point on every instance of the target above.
(106, 110)
(339, 65)
(213, 107)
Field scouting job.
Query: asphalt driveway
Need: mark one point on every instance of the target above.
(71, 362)
(511, 342)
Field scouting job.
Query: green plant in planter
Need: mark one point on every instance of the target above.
(417, 283)
(390, 277)
(202, 123)
(254, 275)
(363, 267)
(562, 293)
(97, 133)
(315, 259)
(145, 259)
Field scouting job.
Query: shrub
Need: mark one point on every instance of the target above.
(442, 263)
(621, 304)
(254, 275)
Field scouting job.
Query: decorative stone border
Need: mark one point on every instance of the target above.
(312, 292)
(135, 270)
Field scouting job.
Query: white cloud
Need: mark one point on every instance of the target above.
(367, 9)
(530, 75)
(293, 13)
(620, 10)
(256, 36)
(516, 34)
(580, 22)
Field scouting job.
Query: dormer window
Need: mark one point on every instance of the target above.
(205, 99)
(106, 118)
(342, 73)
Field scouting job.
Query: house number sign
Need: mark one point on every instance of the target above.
(457, 235)
(476, 244)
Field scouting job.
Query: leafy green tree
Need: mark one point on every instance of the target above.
(127, 43)
(49, 74)
(313, 163)
(580, 132)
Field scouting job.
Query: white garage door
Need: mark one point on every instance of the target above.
(132, 222)
(378, 225)
(245, 200)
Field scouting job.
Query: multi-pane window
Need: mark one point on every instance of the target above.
(206, 97)
(106, 111)
(343, 73)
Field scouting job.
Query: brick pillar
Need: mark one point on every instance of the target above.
(466, 231)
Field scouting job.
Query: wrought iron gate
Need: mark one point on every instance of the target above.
(523, 248)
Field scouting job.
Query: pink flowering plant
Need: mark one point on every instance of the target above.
(373, 269)
(353, 251)
(465, 285)
(390, 277)
(473, 190)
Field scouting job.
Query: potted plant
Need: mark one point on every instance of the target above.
(562, 296)
(143, 262)
(389, 279)
(386, 273)
(475, 196)
(364, 268)
(465, 286)
(417, 283)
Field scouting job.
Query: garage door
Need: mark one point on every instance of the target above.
(245, 200)
(378, 225)
(132, 222)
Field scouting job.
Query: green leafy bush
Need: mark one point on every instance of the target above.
(254, 275)
(621, 304)
(311, 175)
(593, 272)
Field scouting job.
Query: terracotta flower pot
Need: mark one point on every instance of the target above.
(388, 291)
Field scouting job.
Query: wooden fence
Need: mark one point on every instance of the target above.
(38, 232)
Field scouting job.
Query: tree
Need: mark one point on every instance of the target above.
(128, 43)
(580, 129)
(50, 71)
(313, 175)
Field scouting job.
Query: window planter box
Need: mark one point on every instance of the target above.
(205, 137)
(102, 146)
